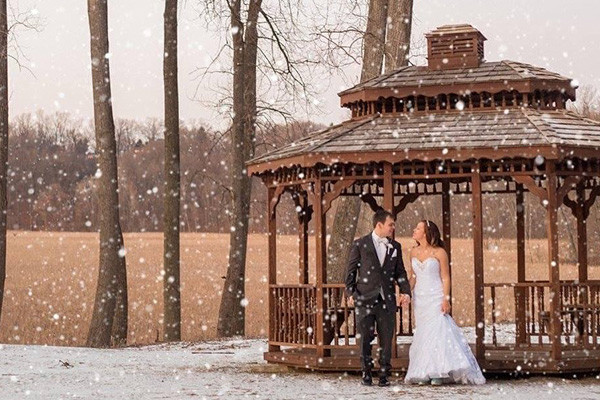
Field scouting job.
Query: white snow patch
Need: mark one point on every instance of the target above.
(229, 369)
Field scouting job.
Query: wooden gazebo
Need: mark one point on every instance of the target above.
(441, 130)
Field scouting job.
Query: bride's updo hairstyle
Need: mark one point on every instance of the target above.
(432, 234)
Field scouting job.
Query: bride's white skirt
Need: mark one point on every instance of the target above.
(439, 348)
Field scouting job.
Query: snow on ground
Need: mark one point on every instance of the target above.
(225, 369)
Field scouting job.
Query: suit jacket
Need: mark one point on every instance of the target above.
(365, 275)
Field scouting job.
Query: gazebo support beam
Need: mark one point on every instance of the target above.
(321, 265)
(520, 292)
(520, 206)
(388, 205)
(446, 226)
(569, 183)
(591, 200)
(388, 188)
(553, 266)
(338, 188)
(404, 201)
(272, 278)
(370, 200)
(582, 245)
(304, 216)
(478, 262)
(581, 210)
(530, 184)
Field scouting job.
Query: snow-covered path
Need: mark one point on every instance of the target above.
(227, 369)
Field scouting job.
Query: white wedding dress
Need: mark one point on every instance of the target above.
(439, 348)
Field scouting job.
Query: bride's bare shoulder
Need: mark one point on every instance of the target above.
(440, 253)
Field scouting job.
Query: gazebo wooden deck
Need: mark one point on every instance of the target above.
(459, 125)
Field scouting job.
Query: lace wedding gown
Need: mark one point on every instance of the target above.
(439, 348)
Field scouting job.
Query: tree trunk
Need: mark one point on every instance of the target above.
(111, 292)
(245, 41)
(570, 254)
(374, 40)
(397, 44)
(3, 143)
(348, 208)
(171, 282)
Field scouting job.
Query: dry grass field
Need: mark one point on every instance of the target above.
(52, 276)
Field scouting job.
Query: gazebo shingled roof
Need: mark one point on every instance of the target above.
(458, 126)
(518, 128)
(505, 104)
(504, 72)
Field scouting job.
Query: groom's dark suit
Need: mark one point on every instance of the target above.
(366, 280)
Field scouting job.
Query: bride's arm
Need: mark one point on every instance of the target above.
(412, 278)
(445, 275)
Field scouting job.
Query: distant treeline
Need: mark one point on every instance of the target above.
(52, 169)
(52, 174)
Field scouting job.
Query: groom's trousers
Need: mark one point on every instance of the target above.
(367, 318)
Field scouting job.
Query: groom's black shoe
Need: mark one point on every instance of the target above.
(383, 381)
(367, 378)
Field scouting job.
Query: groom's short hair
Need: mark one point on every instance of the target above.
(380, 216)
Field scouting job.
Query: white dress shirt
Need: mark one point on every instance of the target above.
(380, 244)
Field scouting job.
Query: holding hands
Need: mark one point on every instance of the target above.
(402, 300)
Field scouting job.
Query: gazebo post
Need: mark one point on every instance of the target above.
(388, 188)
(553, 272)
(582, 252)
(520, 233)
(582, 245)
(272, 278)
(520, 292)
(321, 264)
(478, 261)
(446, 225)
(303, 238)
(388, 205)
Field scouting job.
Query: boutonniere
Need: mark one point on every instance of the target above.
(389, 246)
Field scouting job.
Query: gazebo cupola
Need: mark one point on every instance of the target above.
(454, 46)
(457, 78)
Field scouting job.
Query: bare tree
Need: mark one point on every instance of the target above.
(397, 45)
(290, 34)
(588, 102)
(245, 43)
(3, 143)
(171, 282)
(109, 318)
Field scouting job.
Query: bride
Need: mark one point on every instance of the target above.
(439, 352)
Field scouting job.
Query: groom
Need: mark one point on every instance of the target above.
(374, 267)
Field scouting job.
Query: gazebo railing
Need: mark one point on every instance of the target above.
(518, 314)
(293, 317)
(340, 318)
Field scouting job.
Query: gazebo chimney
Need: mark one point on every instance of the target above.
(454, 46)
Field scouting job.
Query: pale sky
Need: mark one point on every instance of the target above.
(560, 36)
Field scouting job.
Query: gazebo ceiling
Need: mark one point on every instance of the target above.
(518, 133)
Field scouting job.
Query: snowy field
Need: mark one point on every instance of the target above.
(227, 369)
